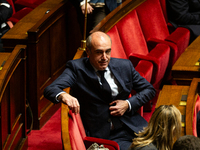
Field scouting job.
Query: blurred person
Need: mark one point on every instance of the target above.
(5, 13)
(163, 129)
(185, 13)
(97, 10)
(187, 142)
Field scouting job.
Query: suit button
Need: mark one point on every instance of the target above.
(109, 120)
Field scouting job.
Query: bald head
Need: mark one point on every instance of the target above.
(99, 49)
(97, 37)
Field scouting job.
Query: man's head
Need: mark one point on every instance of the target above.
(187, 142)
(99, 49)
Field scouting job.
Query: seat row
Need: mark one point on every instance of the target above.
(143, 35)
(22, 7)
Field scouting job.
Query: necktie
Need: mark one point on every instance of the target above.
(107, 92)
(105, 86)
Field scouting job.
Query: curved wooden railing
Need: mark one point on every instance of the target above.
(193, 92)
(185, 99)
(117, 14)
(64, 112)
(13, 99)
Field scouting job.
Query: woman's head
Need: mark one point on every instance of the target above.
(163, 128)
(165, 124)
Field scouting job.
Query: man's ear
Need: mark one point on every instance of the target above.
(87, 51)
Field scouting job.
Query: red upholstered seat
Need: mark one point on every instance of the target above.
(155, 29)
(196, 110)
(29, 3)
(18, 15)
(145, 68)
(127, 35)
(78, 138)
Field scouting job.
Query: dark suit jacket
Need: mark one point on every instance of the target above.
(185, 13)
(94, 106)
(5, 12)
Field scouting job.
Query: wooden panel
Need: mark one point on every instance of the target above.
(176, 95)
(52, 39)
(195, 46)
(18, 34)
(49, 48)
(13, 99)
(187, 67)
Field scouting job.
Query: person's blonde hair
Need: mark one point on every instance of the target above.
(163, 128)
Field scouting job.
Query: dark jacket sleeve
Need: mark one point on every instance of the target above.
(144, 90)
(184, 11)
(5, 12)
(65, 80)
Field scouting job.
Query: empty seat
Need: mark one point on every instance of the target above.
(145, 68)
(155, 29)
(18, 15)
(133, 42)
(29, 3)
(78, 138)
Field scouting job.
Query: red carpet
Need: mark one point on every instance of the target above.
(48, 137)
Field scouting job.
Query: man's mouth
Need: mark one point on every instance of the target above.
(103, 62)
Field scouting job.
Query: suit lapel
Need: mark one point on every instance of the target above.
(92, 75)
(117, 73)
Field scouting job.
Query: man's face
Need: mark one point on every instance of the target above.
(99, 54)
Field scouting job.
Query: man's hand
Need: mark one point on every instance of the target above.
(89, 8)
(71, 101)
(118, 107)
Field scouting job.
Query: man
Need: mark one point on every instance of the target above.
(185, 13)
(5, 13)
(97, 10)
(104, 115)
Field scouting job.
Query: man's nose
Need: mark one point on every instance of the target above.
(104, 55)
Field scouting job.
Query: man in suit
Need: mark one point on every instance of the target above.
(106, 113)
(185, 13)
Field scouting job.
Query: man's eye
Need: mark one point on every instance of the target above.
(108, 52)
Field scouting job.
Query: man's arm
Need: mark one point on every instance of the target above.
(55, 93)
(71, 101)
(180, 12)
(65, 80)
(144, 91)
(89, 7)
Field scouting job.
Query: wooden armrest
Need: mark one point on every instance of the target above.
(64, 124)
